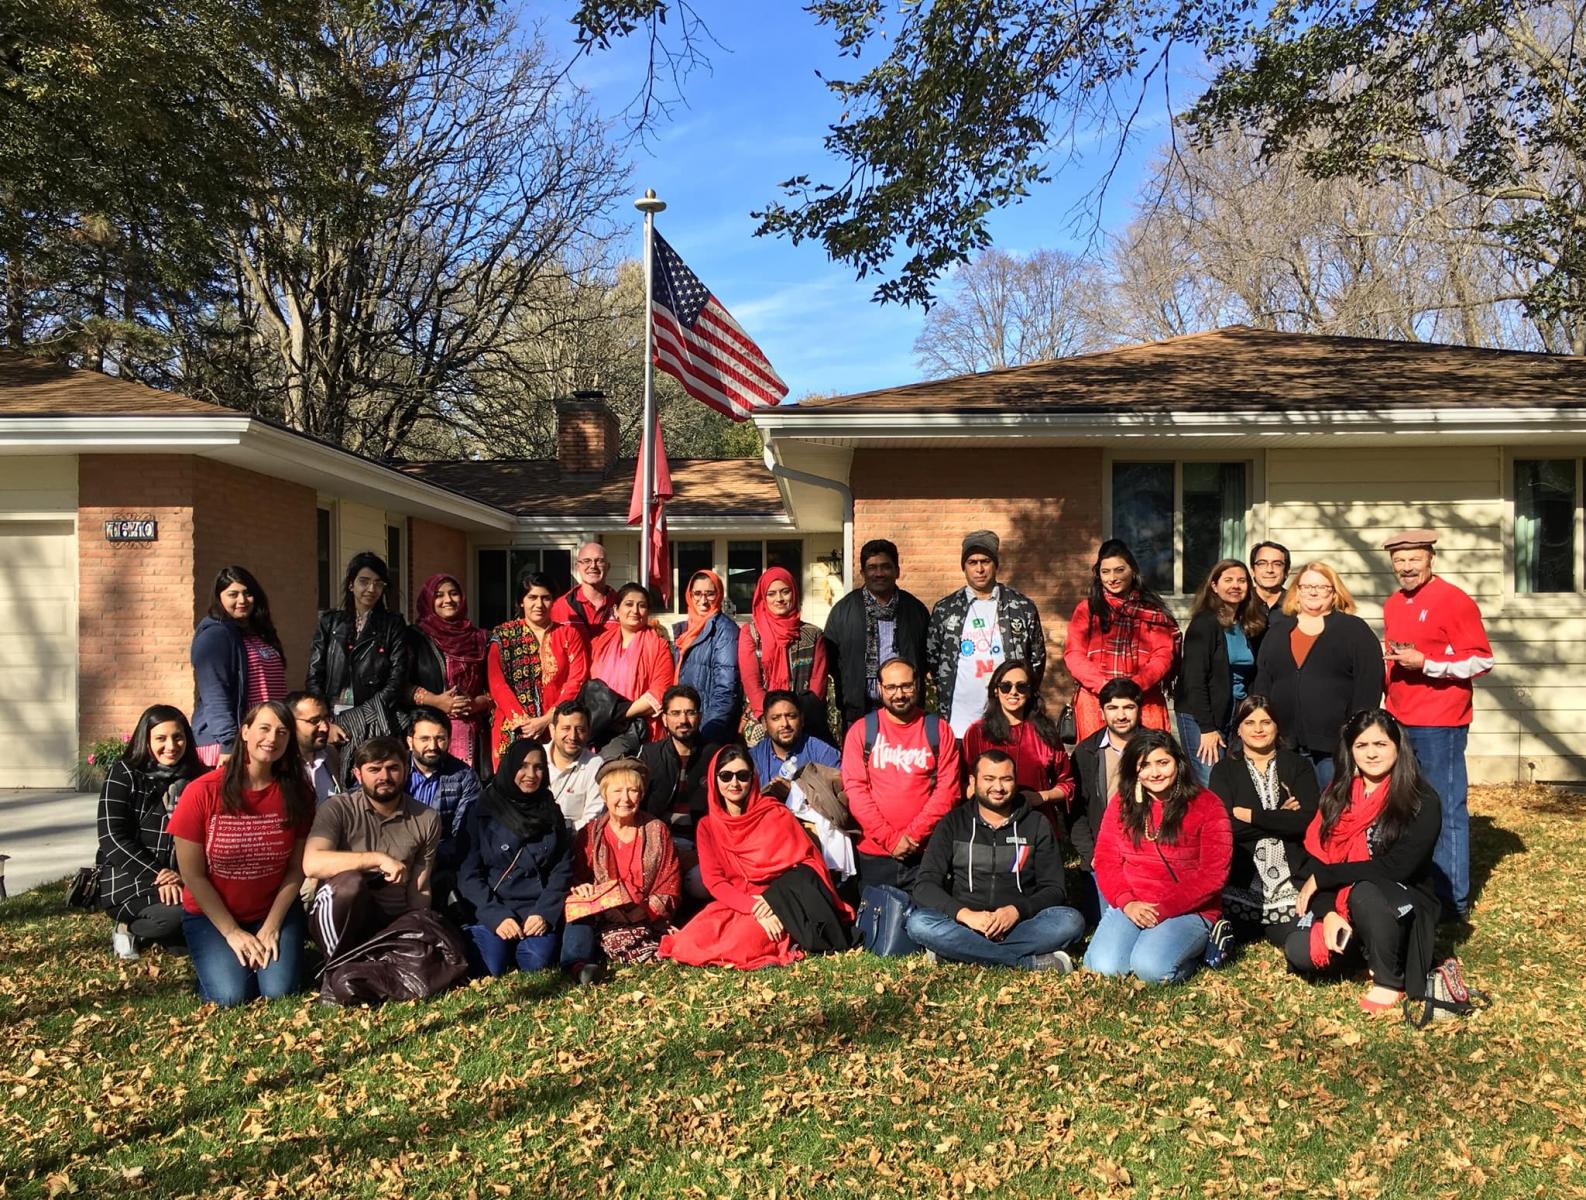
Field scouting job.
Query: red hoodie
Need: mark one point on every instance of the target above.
(1198, 857)
(892, 794)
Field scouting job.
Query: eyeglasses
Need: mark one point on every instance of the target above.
(1269, 562)
(707, 595)
(1320, 588)
(1007, 687)
(734, 776)
(591, 562)
(893, 689)
(369, 585)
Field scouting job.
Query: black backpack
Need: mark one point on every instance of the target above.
(933, 737)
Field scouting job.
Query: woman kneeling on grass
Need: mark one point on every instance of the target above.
(626, 881)
(239, 834)
(1161, 861)
(517, 866)
(773, 899)
(1368, 892)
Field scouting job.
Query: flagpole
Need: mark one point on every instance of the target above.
(649, 206)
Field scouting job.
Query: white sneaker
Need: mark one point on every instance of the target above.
(124, 944)
(930, 957)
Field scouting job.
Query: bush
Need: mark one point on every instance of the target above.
(95, 759)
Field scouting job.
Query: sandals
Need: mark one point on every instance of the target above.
(1379, 1008)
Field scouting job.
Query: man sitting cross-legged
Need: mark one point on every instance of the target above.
(990, 888)
(372, 851)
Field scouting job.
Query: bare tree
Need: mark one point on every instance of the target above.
(1004, 310)
(421, 200)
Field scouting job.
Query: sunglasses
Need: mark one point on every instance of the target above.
(1008, 689)
(734, 776)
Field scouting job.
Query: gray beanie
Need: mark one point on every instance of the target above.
(985, 542)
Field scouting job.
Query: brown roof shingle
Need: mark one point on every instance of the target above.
(1241, 368)
(704, 487)
(31, 387)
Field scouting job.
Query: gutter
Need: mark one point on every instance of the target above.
(791, 475)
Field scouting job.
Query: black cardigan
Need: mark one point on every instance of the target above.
(1205, 682)
(1407, 861)
(1342, 675)
(845, 647)
(1231, 781)
(1090, 796)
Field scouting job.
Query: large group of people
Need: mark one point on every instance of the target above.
(582, 786)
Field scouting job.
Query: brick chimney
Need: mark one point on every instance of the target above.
(586, 434)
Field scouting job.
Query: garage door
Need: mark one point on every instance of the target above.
(38, 652)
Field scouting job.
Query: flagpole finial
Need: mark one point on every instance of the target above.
(649, 204)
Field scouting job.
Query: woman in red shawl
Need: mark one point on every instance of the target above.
(767, 879)
(533, 665)
(448, 673)
(1368, 892)
(779, 652)
(634, 660)
(1121, 628)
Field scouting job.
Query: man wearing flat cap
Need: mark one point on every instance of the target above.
(1435, 648)
(976, 629)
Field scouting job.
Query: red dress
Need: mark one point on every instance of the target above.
(528, 678)
(739, 857)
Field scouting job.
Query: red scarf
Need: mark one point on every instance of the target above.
(1121, 644)
(461, 643)
(697, 623)
(1345, 842)
(776, 633)
(763, 842)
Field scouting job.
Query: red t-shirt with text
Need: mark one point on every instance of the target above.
(247, 851)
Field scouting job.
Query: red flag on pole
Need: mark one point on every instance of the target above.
(660, 581)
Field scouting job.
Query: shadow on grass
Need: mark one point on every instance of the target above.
(1490, 844)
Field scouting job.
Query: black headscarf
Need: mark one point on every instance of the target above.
(529, 815)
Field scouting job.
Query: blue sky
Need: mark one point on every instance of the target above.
(756, 117)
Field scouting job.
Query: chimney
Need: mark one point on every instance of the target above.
(586, 434)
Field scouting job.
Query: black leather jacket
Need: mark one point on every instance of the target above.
(376, 664)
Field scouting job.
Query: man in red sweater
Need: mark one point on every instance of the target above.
(592, 603)
(1435, 648)
(901, 774)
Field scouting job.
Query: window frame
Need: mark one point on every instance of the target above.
(1255, 516)
(1511, 501)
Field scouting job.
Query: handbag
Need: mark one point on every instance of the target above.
(1067, 730)
(883, 911)
(83, 892)
(416, 956)
(608, 895)
(1447, 996)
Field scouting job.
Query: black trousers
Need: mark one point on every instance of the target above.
(154, 922)
(1253, 931)
(883, 869)
(1391, 936)
(344, 913)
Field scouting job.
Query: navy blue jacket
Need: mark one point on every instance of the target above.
(220, 673)
(504, 876)
(710, 667)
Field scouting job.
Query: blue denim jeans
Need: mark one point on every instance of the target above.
(494, 955)
(1049, 930)
(1165, 953)
(223, 980)
(1440, 749)
(1323, 765)
(1189, 736)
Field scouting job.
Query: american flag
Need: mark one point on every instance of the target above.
(697, 341)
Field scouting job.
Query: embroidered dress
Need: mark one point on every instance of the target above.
(518, 652)
(1270, 897)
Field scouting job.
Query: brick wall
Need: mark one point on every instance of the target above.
(433, 549)
(1044, 504)
(135, 601)
(268, 526)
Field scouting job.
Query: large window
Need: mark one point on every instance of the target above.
(747, 561)
(500, 570)
(1546, 494)
(1180, 518)
(688, 557)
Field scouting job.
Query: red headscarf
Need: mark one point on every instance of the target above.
(776, 633)
(697, 623)
(461, 643)
(765, 840)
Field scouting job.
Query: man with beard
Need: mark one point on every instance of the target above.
(786, 747)
(677, 764)
(900, 774)
(321, 758)
(439, 780)
(990, 889)
(373, 851)
(571, 765)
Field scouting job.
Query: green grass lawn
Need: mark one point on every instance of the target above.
(845, 1077)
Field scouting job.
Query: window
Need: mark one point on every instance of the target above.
(687, 558)
(747, 561)
(1545, 498)
(395, 596)
(500, 570)
(324, 556)
(1179, 518)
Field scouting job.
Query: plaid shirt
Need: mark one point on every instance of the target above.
(450, 791)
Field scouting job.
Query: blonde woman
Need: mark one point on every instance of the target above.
(1320, 664)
